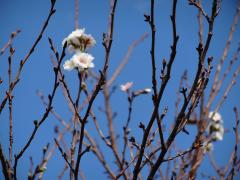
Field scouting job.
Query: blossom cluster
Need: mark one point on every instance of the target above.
(215, 127)
(78, 42)
(215, 130)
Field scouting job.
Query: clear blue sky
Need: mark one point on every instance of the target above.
(29, 15)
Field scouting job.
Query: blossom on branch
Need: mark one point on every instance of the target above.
(215, 127)
(79, 41)
(80, 60)
(125, 87)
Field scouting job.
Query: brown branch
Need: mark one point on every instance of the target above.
(160, 93)
(5, 166)
(107, 44)
(228, 89)
(218, 84)
(26, 58)
(181, 116)
(100, 156)
(225, 53)
(10, 41)
(200, 8)
(100, 133)
(125, 128)
(232, 172)
(37, 123)
(76, 9)
(10, 99)
(128, 165)
(63, 171)
(64, 155)
(183, 153)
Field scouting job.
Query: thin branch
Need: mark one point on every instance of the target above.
(37, 123)
(10, 41)
(100, 156)
(107, 44)
(183, 153)
(64, 155)
(26, 58)
(200, 8)
(10, 99)
(76, 9)
(5, 166)
(181, 116)
(160, 93)
(226, 92)
(224, 55)
(235, 157)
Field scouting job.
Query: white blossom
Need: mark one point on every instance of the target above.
(147, 90)
(216, 117)
(69, 65)
(83, 60)
(79, 41)
(80, 61)
(125, 87)
(217, 136)
(215, 127)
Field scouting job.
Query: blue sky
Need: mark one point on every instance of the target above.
(29, 16)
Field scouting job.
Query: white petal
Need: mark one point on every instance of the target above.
(68, 65)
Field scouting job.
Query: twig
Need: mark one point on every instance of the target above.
(5, 166)
(100, 156)
(76, 6)
(218, 84)
(10, 99)
(232, 172)
(64, 155)
(26, 58)
(181, 116)
(125, 128)
(37, 123)
(9, 43)
(160, 94)
(63, 171)
(225, 53)
(128, 165)
(107, 44)
(226, 92)
(183, 153)
(199, 6)
(100, 133)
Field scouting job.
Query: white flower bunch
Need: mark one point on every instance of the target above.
(215, 127)
(78, 42)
